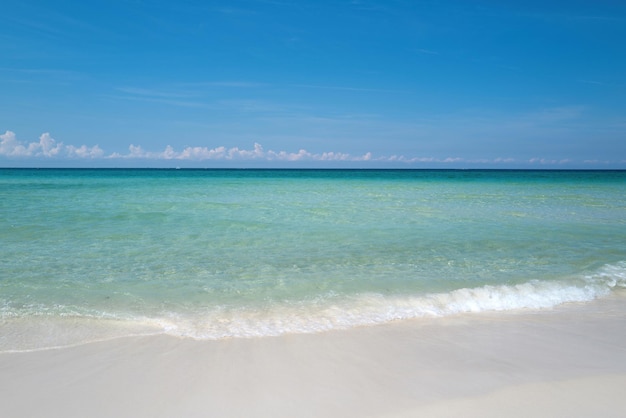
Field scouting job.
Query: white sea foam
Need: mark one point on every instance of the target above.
(370, 309)
(332, 312)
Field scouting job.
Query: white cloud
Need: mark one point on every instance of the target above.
(258, 153)
(544, 161)
(237, 154)
(84, 151)
(46, 147)
(9, 145)
(600, 162)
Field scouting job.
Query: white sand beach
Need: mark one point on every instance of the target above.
(569, 362)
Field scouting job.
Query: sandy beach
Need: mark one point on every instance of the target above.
(569, 362)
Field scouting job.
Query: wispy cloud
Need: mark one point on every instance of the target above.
(344, 88)
(254, 106)
(547, 161)
(194, 94)
(371, 6)
(173, 98)
(42, 71)
(600, 162)
(135, 91)
(40, 76)
(426, 51)
(49, 22)
(48, 29)
(171, 102)
(235, 11)
(223, 83)
(561, 113)
(594, 18)
(596, 83)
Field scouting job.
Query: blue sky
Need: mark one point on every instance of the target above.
(363, 83)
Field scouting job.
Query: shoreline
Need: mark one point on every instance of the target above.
(38, 333)
(568, 361)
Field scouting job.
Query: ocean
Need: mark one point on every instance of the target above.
(93, 254)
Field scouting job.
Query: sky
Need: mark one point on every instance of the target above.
(342, 83)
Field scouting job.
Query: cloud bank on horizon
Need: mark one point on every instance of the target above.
(47, 148)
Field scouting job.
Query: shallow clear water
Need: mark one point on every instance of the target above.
(213, 253)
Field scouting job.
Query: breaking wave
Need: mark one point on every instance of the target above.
(330, 312)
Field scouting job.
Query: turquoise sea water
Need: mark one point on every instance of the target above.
(91, 254)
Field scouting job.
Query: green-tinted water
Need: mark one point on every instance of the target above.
(212, 253)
